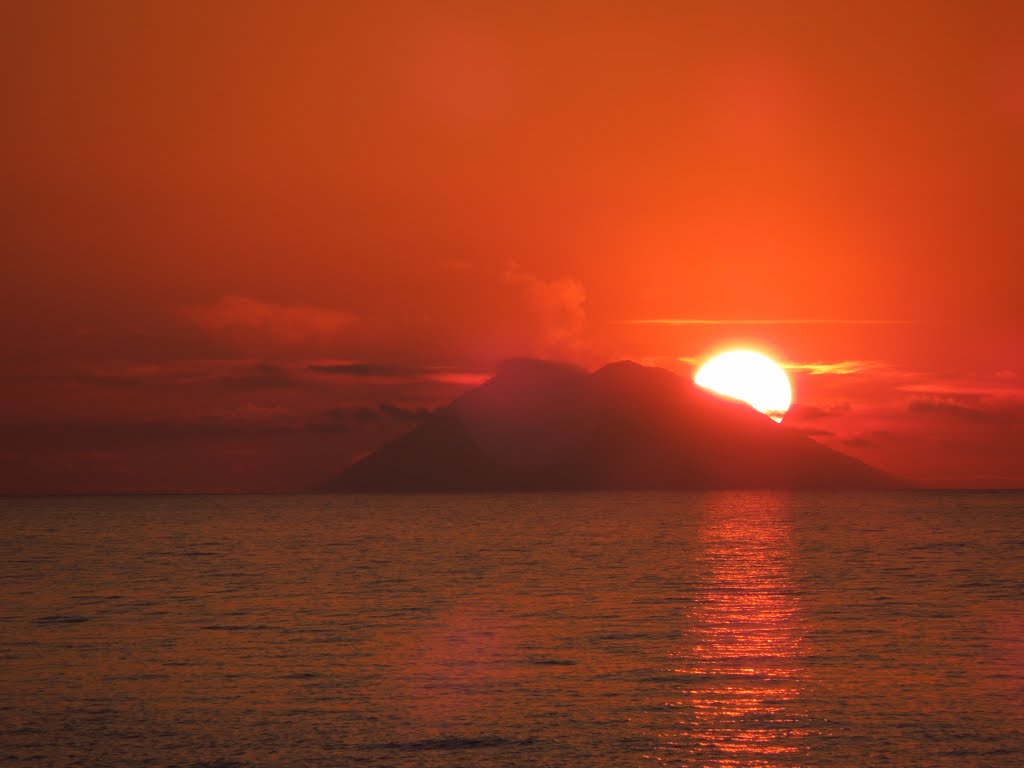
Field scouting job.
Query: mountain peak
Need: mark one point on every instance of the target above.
(629, 376)
(542, 425)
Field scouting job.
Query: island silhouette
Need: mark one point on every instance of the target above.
(546, 426)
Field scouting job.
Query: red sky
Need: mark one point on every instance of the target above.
(244, 242)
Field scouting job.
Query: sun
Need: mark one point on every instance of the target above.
(750, 377)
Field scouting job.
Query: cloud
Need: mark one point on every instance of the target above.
(466, 378)
(970, 407)
(841, 368)
(253, 323)
(245, 419)
(334, 420)
(367, 370)
(403, 414)
(259, 376)
(558, 306)
(231, 374)
(947, 407)
(345, 419)
(761, 321)
(364, 370)
(970, 387)
(802, 412)
(869, 438)
(813, 432)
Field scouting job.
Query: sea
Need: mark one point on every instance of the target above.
(753, 629)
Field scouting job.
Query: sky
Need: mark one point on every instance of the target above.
(244, 243)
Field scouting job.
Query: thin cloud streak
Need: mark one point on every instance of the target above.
(365, 370)
(760, 321)
(840, 368)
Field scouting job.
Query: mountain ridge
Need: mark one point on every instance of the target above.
(545, 426)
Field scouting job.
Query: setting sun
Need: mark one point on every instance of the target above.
(750, 377)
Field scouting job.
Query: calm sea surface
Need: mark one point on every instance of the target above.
(685, 629)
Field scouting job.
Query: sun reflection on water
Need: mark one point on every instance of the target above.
(740, 697)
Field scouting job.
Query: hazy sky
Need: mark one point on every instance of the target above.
(245, 242)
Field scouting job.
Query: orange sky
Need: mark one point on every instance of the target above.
(245, 242)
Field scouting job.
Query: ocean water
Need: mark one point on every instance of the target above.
(613, 629)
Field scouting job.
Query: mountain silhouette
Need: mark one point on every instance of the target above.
(541, 425)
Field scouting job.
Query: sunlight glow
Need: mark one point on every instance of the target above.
(750, 377)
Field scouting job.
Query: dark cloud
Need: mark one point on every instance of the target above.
(970, 407)
(363, 413)
(870, 438)
(812, 432)
(373, 370)
(259, 376)
(801, 412)
(129, 377)
(948, 407)
(404, 414)
(364, 370)
(332, 420)
(240, 375)
(352, 418)
(143, 430)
